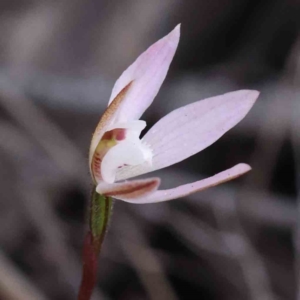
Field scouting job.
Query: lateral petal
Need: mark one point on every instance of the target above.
(190, 129)
(190, 188)
(147, 74)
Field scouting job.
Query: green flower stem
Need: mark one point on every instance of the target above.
(100, 212)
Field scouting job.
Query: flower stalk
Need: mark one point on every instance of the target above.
(99, 216)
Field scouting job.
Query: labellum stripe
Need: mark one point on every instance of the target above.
(133, 189)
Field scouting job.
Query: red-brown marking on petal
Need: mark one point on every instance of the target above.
(120, 134)
(133, 189)
(96, 164)
(117, 133)
(108, 135)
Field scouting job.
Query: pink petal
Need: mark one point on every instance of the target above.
(190, 129)
(129, 189)
(147, 74)
(190, 188)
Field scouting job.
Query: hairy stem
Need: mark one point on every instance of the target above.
(99, 216)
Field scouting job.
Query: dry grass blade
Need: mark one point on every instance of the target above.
(144, 261)
(59, 147)
(14, 285)
(252, 265)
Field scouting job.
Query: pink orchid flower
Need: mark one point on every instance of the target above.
(117, 153)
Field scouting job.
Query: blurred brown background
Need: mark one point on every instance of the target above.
(58, 63)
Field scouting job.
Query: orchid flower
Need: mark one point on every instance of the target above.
(117, 152)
